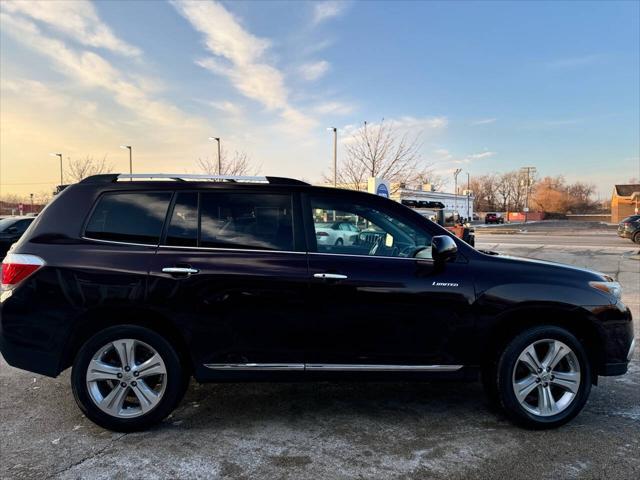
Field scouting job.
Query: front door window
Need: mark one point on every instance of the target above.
(352, 229)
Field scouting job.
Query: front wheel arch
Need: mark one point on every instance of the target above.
(510, 324)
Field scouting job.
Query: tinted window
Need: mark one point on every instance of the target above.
(129, 217)
(240, 220)
(183, 227)
(373, 232)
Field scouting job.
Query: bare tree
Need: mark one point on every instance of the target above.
(238, 164)
(428, 176)
(85, 167)
(379, 151)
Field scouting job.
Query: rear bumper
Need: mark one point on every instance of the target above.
(27, 358)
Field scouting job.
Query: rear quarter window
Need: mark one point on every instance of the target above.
(129, 217)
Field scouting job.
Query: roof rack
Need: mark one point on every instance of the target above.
(182, 177)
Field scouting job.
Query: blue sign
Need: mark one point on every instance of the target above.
(382, 190)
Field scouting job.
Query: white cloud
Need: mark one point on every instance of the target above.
(240, 57)
(314, 70)
(333, 108)
(227, 107)
(481, 155)
(76, 19)
(484, 121)
(93, 71)
(328, 9)
(574, 62)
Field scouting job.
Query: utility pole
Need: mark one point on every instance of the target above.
(128, 147)
(468, 188)
(335, 155)
(528, 172)
(31, 195)
(217, 139)
(60, 156)
(455, 181)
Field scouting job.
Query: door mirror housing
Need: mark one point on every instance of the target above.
(443, 248)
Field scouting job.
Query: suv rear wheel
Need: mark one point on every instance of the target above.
(127, 378)
(543, 377)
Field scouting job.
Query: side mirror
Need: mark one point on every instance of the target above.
(443, 248)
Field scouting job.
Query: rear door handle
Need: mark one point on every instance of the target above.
(180, 270)
(330, 276)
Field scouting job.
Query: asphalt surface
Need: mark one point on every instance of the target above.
(338, 430)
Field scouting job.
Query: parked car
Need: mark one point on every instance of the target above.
(140, 285)
(493, 218)
(630, 228)
(11, 229)
(336, 233)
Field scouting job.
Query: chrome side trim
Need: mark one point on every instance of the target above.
(153, 245)
(330, 276)
(372, 257)
(230, 249)
(270, 367)
(380, 368)
(335, 367)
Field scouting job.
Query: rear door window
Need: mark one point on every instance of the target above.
(129, 217)
(246, 221)
(183, 227)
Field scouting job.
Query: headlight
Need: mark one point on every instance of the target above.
(611, 288)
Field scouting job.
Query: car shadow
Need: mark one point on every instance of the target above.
(238, 405)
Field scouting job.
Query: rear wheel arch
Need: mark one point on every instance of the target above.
(96, 320)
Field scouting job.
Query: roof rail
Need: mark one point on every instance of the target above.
(181, 177)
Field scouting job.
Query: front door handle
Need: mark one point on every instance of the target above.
(180, 270)
(330, 276)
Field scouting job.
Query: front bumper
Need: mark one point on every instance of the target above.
(615, 329)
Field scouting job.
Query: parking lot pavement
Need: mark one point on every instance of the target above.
(333, 430)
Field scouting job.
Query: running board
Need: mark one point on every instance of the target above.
(328, 367)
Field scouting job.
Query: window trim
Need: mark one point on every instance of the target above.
(83, 233)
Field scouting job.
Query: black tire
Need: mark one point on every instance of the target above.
(339, 242)
(636, 238)
(501, 388)
(176, 378)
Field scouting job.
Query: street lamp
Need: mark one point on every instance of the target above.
(468, 189)
(58, 155)
(455, 181)
(335, 155)
(130, 160)
(217, 139)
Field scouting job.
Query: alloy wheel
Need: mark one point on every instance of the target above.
(546, 377)
(126, 378)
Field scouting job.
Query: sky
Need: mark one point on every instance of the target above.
(485, 86)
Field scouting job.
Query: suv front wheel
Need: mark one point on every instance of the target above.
(127, 378)
(543, 377)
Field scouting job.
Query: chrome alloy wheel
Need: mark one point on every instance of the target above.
(546, 377)
(126, 378)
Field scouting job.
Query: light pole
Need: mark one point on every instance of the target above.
(60, 156)
(130, 159)
(528, 171)
(217, 139)
(31, 195)
(335, 155)
(455, 181)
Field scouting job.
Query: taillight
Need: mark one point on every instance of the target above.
(322, 234)
(16, 267)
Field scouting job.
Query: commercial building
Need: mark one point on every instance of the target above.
(625, 201)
